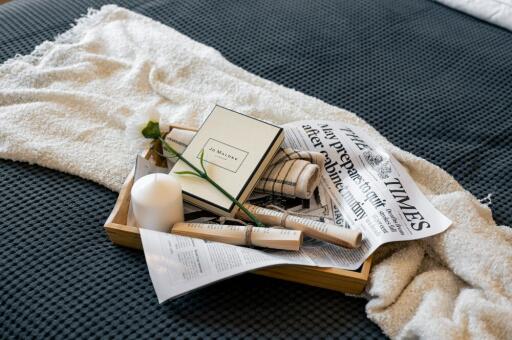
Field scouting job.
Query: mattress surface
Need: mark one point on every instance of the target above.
(434, 81)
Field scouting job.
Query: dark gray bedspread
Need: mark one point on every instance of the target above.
(434, 81)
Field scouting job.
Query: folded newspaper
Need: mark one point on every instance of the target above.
(362, 187)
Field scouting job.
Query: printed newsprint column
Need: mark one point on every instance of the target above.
(362, 187)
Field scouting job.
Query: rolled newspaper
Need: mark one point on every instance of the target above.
(275, 238)
(292, 173)
(319, 230)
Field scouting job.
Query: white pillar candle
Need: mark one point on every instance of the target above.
(157, 201)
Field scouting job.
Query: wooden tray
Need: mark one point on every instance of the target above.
(346, 281)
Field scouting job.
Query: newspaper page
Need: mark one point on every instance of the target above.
(362, 187)
(368, 188)
(179, 264)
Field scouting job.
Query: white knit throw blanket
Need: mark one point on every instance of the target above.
(76, 105)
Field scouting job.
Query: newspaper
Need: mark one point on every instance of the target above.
(362, 187)
(369, 189)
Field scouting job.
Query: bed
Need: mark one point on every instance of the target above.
(434, 81)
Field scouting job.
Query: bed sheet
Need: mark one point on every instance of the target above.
(434, 81)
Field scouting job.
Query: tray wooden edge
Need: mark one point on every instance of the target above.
(341, 280)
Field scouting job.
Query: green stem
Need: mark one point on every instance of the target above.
(205, 176)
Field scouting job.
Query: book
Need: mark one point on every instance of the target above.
(237, 149)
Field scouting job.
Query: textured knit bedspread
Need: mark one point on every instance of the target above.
(77, 104)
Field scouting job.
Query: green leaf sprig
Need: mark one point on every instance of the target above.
(152, 131)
